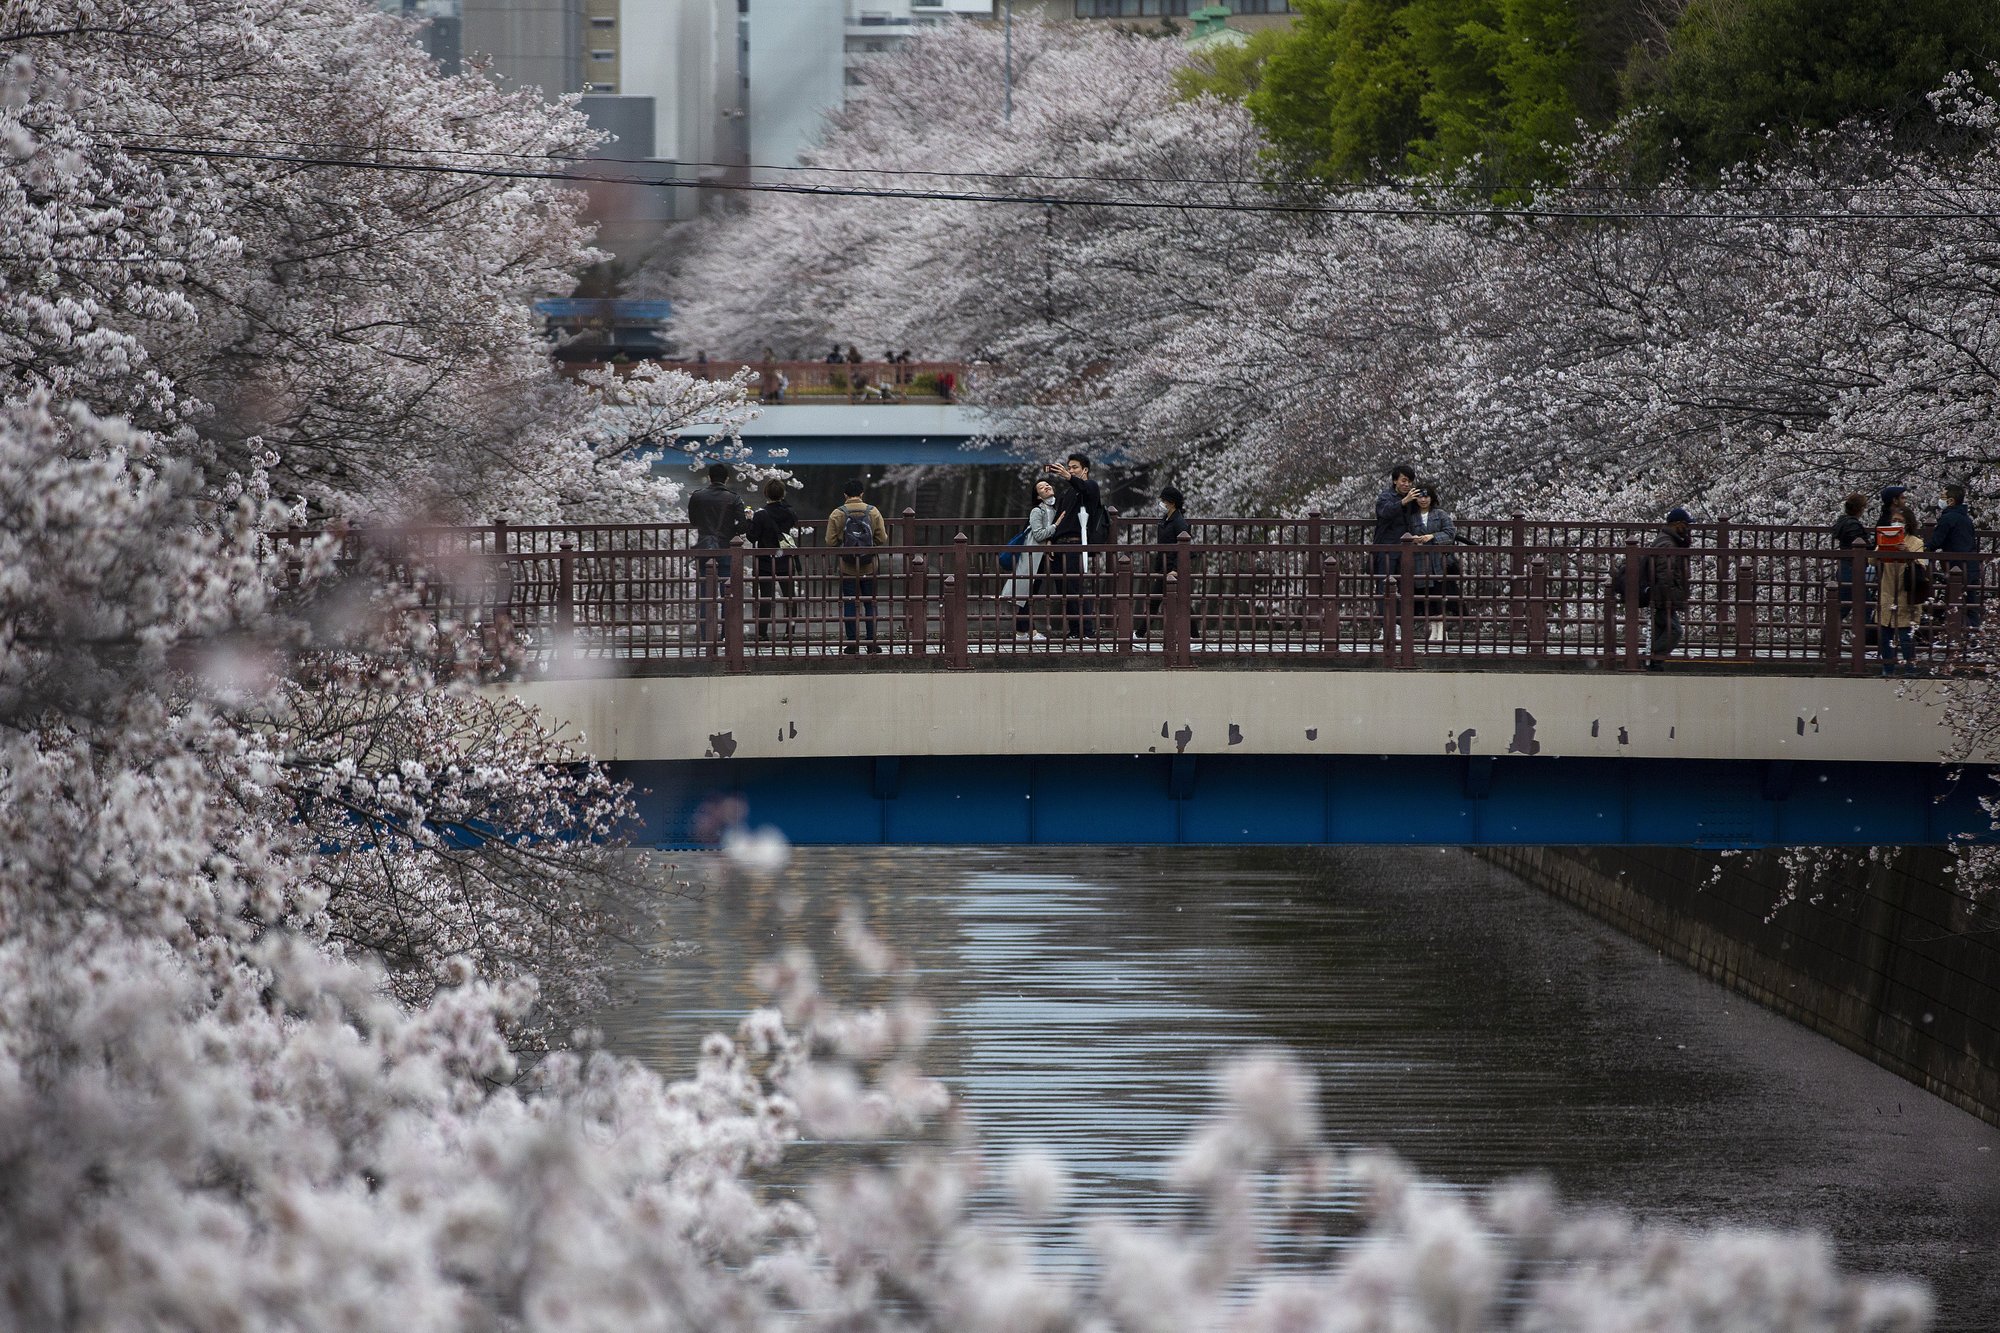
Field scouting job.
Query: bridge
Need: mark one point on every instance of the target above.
(1259, 682)
(865, 414)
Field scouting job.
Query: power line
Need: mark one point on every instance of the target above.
(1258, 183)
(1050, 200)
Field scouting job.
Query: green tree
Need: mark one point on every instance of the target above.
(1735, 69)
(1230, 70)
(1361, 89)
(1339, 94)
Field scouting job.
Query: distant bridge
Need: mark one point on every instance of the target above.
(1261, 682)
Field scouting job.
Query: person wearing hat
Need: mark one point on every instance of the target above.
(1668, 583)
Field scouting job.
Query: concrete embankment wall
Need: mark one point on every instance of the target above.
(1891, 960)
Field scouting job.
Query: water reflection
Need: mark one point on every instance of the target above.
(1468, 1022)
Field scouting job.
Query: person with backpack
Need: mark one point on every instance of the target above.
(1666, 585)
(1902, 586)
(856, 528)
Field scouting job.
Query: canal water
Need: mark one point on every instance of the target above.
(1451, 1013)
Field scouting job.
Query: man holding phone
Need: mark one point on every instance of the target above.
(1080, 518)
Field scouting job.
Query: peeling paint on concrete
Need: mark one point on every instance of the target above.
(1593, 728)
(1524, 741)
(1312, 733)
(1182, 737)
(1163, 732)
(722, 744)
(1624, 736)
(795, 730)
(1235, 734)
(1465, 739)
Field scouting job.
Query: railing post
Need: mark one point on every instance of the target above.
(731, 609)
(906, 523)
(1406, 609)
(1184, 563)
(1121, 612)
(1954, 610)
(1857, 652)
(1746, 611)
(1329, 604)
(1517, 569)
(566, 603)
(1629, 595)
(957, 606)
(504, 571)
(917, 604)
(1725, 570)
(1535, 614)
(1389, 604)
(1175, 604)
(1314, 578)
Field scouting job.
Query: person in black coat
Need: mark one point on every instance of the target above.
(1954, 534)
(1080, 518)
(771, 530)
(718, 516)
(1173, 526)
(1850, 534)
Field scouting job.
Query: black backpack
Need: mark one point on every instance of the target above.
(858, 529)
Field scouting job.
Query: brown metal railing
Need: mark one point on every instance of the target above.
(645, 599)
(835, 381)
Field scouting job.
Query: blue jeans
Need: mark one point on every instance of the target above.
(1893, 639)
(857, 598)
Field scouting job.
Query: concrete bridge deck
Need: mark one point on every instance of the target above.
(1289, 757)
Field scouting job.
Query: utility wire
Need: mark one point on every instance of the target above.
(1183, 205)
(1317, 186)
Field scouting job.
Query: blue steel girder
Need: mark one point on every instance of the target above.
(1423, 800)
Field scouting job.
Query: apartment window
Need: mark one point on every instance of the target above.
(603, 55)
(603, 20)
(1132, 9)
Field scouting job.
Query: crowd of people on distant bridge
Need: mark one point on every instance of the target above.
(1049, 560)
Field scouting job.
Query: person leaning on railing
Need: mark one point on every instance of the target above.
(773, 530)
(855, 527)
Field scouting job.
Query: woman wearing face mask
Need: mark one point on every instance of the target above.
(1027, 582)
(1430, 527)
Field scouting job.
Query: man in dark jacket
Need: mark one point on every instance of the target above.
(1392, 521)
(718, 515)
(1173, 526)
(1080, 518)
(1667, 580)
(1953, 534)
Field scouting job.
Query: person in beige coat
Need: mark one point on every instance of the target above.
(1897, 607)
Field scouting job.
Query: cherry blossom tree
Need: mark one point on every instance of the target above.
(281, 907)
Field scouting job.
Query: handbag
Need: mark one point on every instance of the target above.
(1007, 557)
